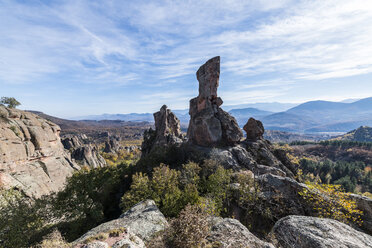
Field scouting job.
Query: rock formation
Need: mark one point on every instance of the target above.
(32, 157)
(112, 144)
(254, 129)
(209, 124)
(84, 153)
(167, 131)
(231, 233)
(142, 220)
(310, 232)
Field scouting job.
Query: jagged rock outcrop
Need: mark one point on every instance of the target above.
(32, 157)
(167, 131)
(84, 153)
(112, 144)
(209, 125)
(311, 232)
(231, 233)
(142, 220)
(254, 129)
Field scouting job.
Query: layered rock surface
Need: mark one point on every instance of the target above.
(231, 233)
(32, 157)
(311, 232)
(209, 124)
(82, 151)
(143, 220)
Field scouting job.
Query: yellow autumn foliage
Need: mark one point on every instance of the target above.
(330, 201)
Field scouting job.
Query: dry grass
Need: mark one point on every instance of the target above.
(53, 240)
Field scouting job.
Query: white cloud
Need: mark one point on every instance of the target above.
(159, 43)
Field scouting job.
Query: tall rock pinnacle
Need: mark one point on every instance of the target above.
(209, 124)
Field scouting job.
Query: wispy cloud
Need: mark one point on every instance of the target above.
(160, 44)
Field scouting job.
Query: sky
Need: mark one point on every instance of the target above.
(84, 57)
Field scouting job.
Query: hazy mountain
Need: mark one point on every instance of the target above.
(242, 115)
(265, 106)
(363, 134)
(308, 117)
(322, 116)
(122, 117)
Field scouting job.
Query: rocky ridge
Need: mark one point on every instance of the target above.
(32, 157)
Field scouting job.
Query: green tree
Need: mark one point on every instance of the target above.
(10, 102)
(21, 220)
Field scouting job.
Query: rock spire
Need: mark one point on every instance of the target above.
(209, 124)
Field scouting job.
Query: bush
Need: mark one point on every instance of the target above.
(21, 220)
(329, 201)
(216, 186)
(190, 229)
(89, 198)
(163, 188)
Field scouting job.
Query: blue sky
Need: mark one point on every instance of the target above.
(73, 58)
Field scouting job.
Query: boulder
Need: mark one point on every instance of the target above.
(365, 204)
(209, 125)
(32, 157)
(231, 233)
(311, 232)
(254, 129)
(143, 220)
(282, 193)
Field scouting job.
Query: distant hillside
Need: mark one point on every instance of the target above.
(322, 116)
(309, 117)
(98, 129)
(362, 134)
(242, 115)
(287, 137)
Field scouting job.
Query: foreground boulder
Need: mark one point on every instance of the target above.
(143, 220)
(311, 232)
(231, 233)
(32, 157)
(209, 124)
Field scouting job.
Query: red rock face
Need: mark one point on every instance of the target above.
(209, 124)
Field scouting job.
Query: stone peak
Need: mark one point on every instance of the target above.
(208, 76)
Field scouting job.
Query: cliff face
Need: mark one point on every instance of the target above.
(32, 157)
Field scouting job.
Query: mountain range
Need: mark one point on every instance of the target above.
(309, 117)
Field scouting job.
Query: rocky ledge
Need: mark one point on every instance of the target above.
(32, 157)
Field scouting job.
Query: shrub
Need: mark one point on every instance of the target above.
(140, 190)
(216, 187)
(190, 229)
(21, 220)
(329, 201)
(162, 188)
(89, 198)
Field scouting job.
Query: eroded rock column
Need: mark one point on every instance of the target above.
(209, 124)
